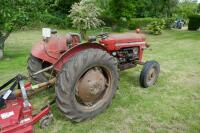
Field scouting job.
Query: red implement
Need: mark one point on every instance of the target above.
(15, 118)
(16, 111)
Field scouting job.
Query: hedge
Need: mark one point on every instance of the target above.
(140, 22)
(194, 22)
(144, 22)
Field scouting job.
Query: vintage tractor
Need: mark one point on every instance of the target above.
(87, 73)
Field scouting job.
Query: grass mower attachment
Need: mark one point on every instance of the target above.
(16, 111)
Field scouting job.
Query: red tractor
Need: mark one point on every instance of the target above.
(87, 73)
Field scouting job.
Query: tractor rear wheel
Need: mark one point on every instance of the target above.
(86, 84)
(35, 65)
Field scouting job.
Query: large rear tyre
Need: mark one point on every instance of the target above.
(1, 54)
(149, 74)
(86, 84)
(35, 65)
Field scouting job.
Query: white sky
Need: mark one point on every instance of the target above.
(191, 0)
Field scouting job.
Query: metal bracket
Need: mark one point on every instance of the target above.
(24, 94)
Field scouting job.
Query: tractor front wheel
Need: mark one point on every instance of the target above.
(35, 65)
(86, 84)
(149, 74)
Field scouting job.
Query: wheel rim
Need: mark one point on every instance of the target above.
(151, 76)
(92, 87)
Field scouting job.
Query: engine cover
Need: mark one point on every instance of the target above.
(118, 41)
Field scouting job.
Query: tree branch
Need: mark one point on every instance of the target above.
(6, 35)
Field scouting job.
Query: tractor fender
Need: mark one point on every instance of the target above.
(74, 51)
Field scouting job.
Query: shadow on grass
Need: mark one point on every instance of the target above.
(14, 54)
(130, 78)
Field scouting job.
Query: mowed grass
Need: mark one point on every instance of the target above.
(172, 105)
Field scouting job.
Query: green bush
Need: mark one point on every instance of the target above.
(156, 27)
(194, 22)
(140, 22)
(169, 22)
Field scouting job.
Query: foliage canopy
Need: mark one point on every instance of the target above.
(84, 16)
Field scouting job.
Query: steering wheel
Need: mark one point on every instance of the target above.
(103, 35)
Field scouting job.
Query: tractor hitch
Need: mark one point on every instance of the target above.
(33, 89)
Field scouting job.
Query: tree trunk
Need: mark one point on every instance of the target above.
(1, 54)
(83, 34)
(3, 38)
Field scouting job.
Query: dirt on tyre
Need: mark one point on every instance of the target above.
(149, 74)
(35, 65)
(86, 84)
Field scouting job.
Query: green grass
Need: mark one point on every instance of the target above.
(172, 105)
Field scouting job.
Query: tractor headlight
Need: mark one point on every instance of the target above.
(135, 51)
(114, 53)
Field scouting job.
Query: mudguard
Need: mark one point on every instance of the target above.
(75, 50)
(56, 51)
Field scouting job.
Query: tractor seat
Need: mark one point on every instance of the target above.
(73, 38)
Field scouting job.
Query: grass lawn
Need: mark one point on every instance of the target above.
(171, 106)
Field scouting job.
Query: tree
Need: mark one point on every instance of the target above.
(8, 14)
(60, 7)
(187, 8)
(169, 7)
(141, 8)
(15, 14)
(103, 4)
(123, 9)
(84, 16)
(198, 8)
(127, 9)
(155, 8)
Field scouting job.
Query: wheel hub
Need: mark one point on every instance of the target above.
(91, 86)
(151, 76)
